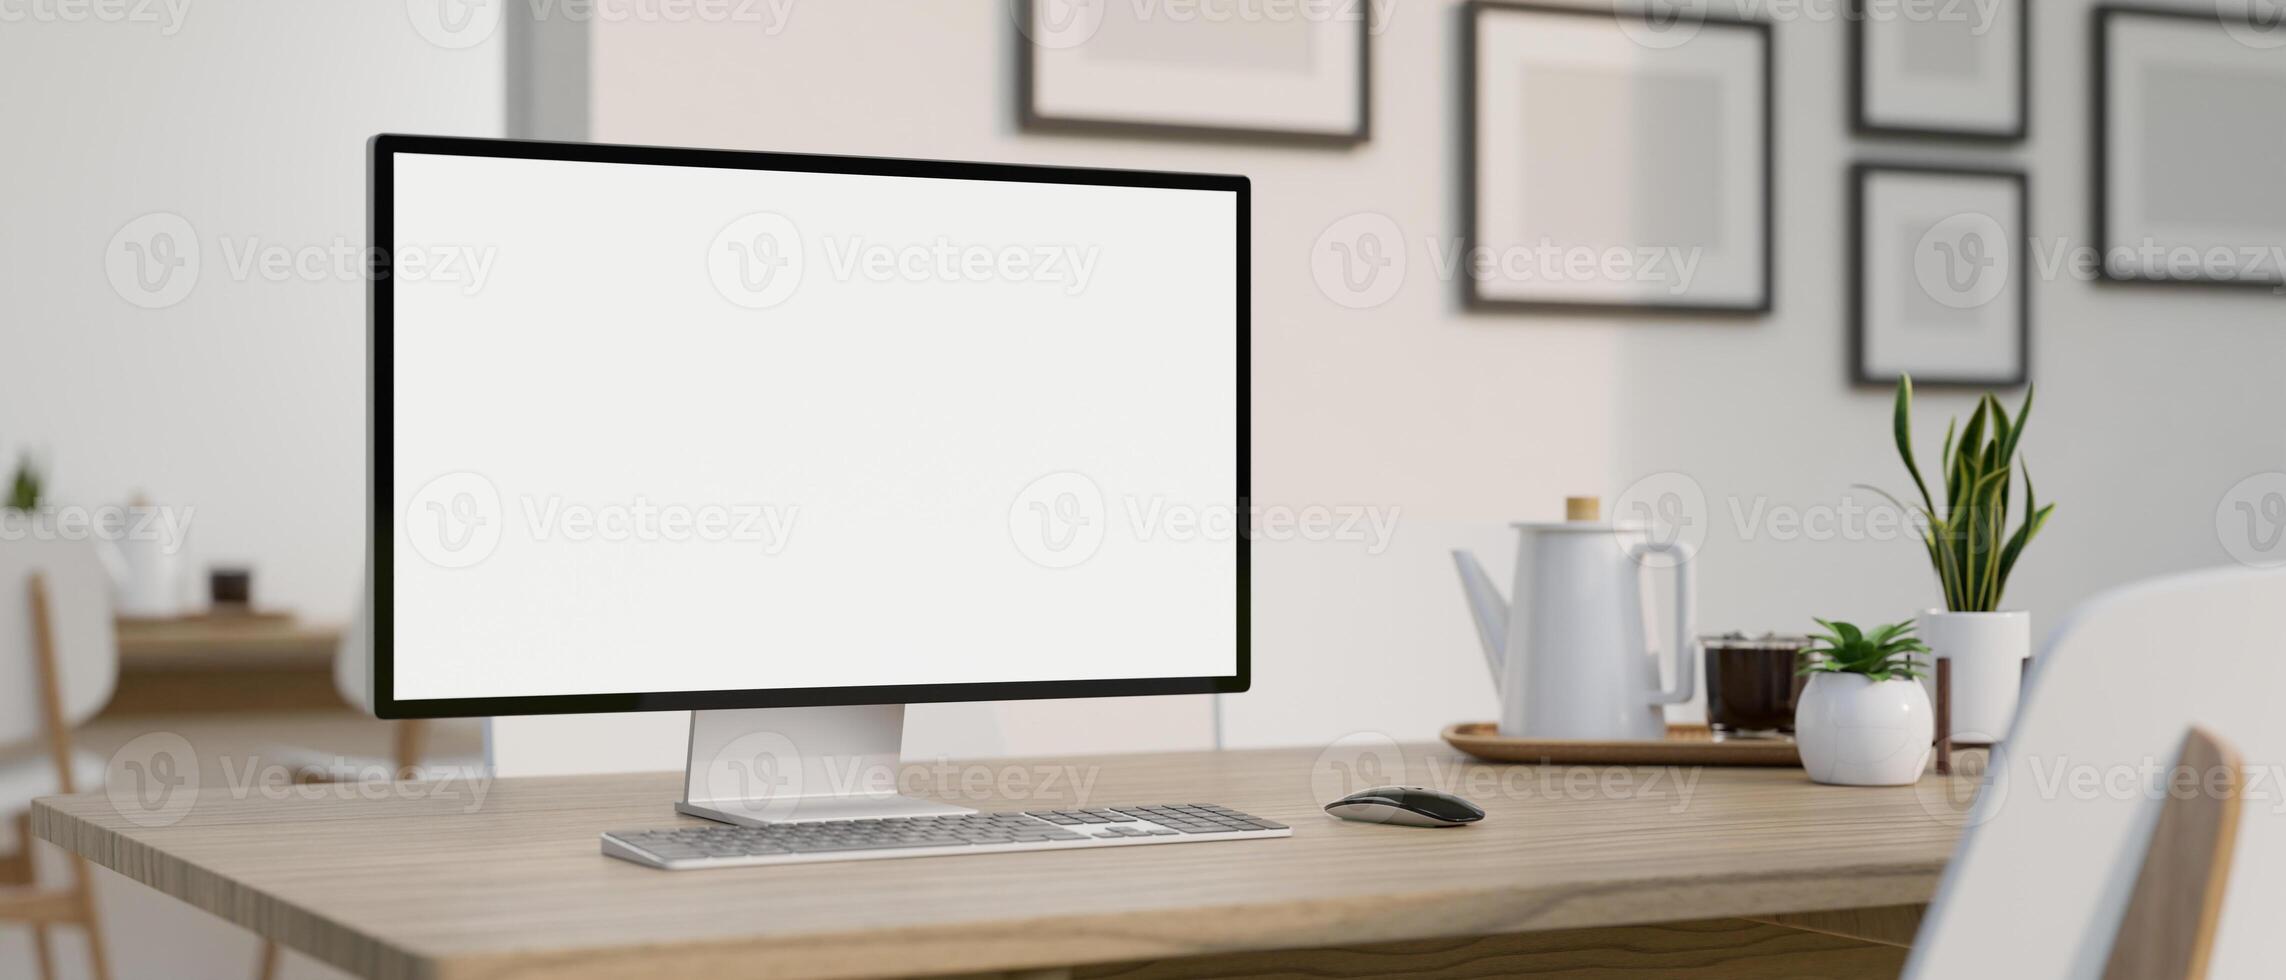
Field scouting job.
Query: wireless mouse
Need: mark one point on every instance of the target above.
(1409, 806)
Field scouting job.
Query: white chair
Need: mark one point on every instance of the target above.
(58, 664)
(2059, 833)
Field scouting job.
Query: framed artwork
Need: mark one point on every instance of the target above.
(1171, 69)
(2190, 126)
(1616, 162)
(1945, 70)
(1940, 282)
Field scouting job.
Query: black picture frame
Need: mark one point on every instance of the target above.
(2100, 172)
(1472, 296)
(380, 424)
(1029, 118)
(1862, 123)
(1861, 175)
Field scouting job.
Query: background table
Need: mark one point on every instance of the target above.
(225, 662)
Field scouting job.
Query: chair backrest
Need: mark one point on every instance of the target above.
(86, 649)
(2058, 833)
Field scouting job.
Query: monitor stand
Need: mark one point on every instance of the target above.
(756, 766)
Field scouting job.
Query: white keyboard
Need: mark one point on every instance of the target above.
(725, 846)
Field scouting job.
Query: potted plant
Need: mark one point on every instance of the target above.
(1973, 551)
(24, 489)
(1861, 720)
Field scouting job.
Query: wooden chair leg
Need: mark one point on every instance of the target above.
(42, 953)
(98, 963)
(268, 969)
(16, 869)
(59, 747)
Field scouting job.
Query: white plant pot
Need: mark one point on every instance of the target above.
(1987, 650)
(1855, 731)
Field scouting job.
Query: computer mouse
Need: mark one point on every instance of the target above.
(1409, 806)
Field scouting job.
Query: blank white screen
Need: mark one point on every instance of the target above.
(858, 466)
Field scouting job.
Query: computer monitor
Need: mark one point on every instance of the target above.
(791, 441)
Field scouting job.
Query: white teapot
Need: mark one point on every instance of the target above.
(1570, 655)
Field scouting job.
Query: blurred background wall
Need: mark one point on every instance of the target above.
(244, 401)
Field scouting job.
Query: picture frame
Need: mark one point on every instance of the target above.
(1919, 72)
(1915, 229)
(2173, 200)
(1080, 71)
(1583, 73)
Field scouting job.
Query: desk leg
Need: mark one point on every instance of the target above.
(43, 953)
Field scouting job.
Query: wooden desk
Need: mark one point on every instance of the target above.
(1561, 876)
(225, 662)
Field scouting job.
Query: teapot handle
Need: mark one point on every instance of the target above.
(1686, 615)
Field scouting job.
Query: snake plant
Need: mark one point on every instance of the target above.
(1968, 539)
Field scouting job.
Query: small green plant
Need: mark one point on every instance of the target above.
(1968, 538)
(24, 491)
(1885, 654)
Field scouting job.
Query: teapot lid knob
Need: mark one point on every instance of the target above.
(1583, 508)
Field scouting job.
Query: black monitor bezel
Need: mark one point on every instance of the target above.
(380, 507)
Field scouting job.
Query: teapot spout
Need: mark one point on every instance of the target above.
(1489, 610)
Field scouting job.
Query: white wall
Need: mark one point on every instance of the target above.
(245, 401)
(249, 121)
(2153, 402)
(1457, 422)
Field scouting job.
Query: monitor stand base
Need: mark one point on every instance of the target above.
(756, 766)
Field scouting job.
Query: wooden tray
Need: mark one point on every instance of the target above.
(1685, 745)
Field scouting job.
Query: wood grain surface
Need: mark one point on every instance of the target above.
(1685, 745)
(2168, 929)
(505, 880)
(224, 663)
(1720, 949)
(1889, 925)
(243, 640)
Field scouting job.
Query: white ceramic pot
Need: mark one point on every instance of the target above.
(1855, 731)
(1987, 650)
